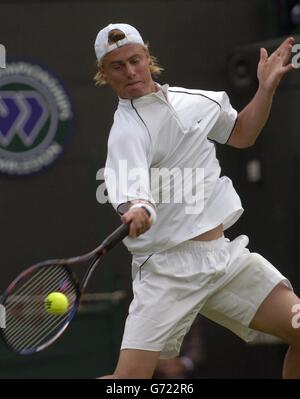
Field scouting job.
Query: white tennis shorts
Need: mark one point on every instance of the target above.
(220, 279)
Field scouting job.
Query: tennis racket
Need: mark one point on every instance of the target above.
(30, 327)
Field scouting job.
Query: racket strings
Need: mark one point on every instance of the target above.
(28, 323)
(33, 301)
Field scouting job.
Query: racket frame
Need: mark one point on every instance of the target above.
(93, 257)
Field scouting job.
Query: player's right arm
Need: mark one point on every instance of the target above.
(127, 178)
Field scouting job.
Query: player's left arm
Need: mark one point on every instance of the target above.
(253, 117)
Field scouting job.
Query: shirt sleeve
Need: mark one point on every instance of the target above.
(226, 120)
(127, 168)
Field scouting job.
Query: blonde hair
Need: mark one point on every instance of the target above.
(155, 68)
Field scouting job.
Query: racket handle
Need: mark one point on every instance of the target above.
(115, 237)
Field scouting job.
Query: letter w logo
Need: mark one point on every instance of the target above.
(22, 113)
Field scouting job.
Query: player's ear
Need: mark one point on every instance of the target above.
(147, 54)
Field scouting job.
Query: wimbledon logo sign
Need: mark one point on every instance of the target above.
(35, 118)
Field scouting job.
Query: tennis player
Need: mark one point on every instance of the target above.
(182, 264)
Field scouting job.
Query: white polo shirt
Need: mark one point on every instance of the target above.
(160, 149)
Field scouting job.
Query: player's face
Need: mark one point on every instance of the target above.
(127, 71)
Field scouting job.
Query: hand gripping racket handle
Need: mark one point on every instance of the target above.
(114, 238)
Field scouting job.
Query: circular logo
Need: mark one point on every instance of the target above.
(35, 118)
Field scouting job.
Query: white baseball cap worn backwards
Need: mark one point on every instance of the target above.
(103, 46)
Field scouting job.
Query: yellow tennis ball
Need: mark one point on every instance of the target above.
(56, 303)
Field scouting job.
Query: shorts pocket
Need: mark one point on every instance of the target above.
(138, 264)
